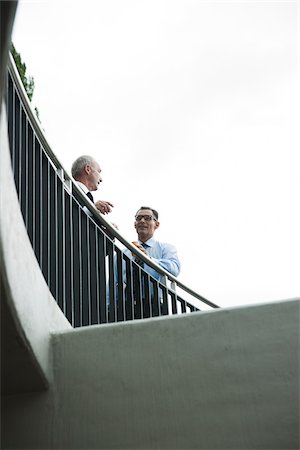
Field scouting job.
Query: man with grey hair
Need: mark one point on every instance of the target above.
(87, 173)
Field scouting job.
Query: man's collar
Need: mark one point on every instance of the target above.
(150, 242)
(82, 186)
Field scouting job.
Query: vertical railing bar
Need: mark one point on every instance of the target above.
(174, 295)
(148, 294)
(97, 275)
(165, 298)
(104, 259)
(135, 289)
(159, 298)
(75, 272)
(183, 305)
(124, 282)
(55, 212)
(155, 303)
(112, 287)
(26, 170)
(139, 290)
(89, 272)
(123, 277)
(173, 302)
(33, 188)
(49, 225)
(68, 184)
(173, 285)
(8, 107)
(131, 267)
(92, 272)
(20, 151)
(60, 173)
(102, 299)
(41, 207)
(80, 269)
(63, 249)
(121, 307)
(72, 264)
(10, 123)
(13, 131)
(129, 301)
(13, 127)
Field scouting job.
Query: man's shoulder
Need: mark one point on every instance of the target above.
(163, 244)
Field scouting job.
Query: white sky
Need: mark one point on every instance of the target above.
(191, 107)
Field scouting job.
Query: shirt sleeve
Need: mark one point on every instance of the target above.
(169, 259)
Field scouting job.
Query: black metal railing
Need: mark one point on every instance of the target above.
(88, 274)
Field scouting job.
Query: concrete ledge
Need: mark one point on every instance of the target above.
(224, 379)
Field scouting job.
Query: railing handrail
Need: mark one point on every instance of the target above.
(134, 249)
(72, 186)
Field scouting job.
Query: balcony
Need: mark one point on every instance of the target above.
(79, 369)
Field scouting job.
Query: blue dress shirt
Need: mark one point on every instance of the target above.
(163, 254)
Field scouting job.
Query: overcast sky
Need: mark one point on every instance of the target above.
(191, 107)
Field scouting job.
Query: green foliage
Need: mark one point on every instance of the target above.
(28, 83)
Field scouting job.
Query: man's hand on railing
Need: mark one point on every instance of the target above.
(104, 207)
(140, 247)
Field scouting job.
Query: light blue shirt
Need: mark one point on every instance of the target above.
(163, 254)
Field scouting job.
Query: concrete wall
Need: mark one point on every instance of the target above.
(29, 314)
(215, 380)
(28, 311)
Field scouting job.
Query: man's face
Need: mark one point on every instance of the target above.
(93, 175)
(145, 228)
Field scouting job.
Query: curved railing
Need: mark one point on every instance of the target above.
(88, 274)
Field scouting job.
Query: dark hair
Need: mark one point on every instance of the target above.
(154, 212)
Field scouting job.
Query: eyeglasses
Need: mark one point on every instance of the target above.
(146, 218)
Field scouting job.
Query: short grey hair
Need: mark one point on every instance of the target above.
(79, 164)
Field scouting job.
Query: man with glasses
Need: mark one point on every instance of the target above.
(146, 292)
(165, 255)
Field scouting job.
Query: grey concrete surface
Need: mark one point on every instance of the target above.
(225, 379)
(29, 314)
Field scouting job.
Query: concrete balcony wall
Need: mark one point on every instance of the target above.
(226, 379)
(29, 314)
